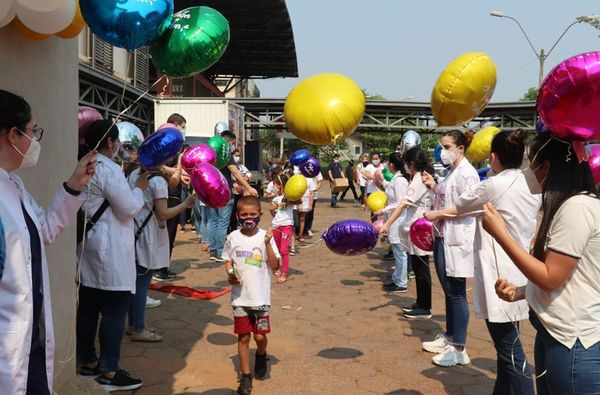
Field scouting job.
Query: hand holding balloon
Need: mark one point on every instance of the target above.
(427, 179)
(492, 222)
(85, 170)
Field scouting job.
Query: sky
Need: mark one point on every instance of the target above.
(397, 48)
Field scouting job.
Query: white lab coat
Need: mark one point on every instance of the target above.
(16, 298)
(372, 169)
(422, 197)
(508, 191)
(395, 190)
(459, 232)
(108, 260)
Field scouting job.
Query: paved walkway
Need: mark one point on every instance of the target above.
(334, 331)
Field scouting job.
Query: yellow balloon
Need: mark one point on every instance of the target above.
(27, 32)
(463, 89)
(376, 201)
(481, 145)
(324, 108)
(75, 27)
(295, 187)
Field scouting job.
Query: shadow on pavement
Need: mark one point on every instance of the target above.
(353, 283)
(404, 392)
(340, 353)
(460, 379)
(222, 339)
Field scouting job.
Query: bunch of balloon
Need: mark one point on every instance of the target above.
(410, 139)
(160, 147)
(310, 168)
(481, 145)
(199, 153)
(299, 157)
(463, 89)
(130, 139)
(295, 188)
(221, 148)
(210, 185)
(39, 20)
(351, 237)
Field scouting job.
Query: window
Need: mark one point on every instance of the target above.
(357, 150)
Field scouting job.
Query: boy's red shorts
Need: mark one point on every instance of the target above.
(251, 320)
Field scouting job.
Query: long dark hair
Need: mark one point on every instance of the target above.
(509, 146)
(419, 159)
(396, 160)
(14, 111)
(566, 178)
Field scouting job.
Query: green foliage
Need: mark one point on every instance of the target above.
(271, 143)
(530, 95)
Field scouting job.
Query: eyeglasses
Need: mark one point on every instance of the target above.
(38, 133)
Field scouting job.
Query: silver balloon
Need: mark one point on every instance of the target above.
(410, 139)
(221, 127)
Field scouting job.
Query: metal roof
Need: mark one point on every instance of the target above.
(262, 41)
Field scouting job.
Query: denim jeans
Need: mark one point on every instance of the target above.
(334, 197)
(217, 227)
(514, 374)
(400, 275)
(137, 311)
(113, 305)
(455, 292)
(568, 371)
(197, 215)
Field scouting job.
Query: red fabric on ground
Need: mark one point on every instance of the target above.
(189, 292)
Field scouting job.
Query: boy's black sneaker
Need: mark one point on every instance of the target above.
(260, 366)
(245, 387)
(121, 381)
(391, 287)
(418, 314)
(389, 256)
(84, 370)
(408, 309)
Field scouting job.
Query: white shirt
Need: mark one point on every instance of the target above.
(508, 191)
(108, 260)
(284, 216)
(270, 188)
(395, 191)
(249, 257)
(362, 180)
(421, 196)
(572, 311)
(152, 248)
(314, 185)
(371, 169)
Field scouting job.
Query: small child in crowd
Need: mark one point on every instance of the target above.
(250, 256)
(283, 226)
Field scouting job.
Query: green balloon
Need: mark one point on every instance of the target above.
(387, 174)
(221, 147)
(196, 40)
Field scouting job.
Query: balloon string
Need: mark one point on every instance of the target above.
(305, 246)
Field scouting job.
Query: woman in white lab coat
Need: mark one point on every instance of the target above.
(453, 250)
(107, 279)
(26, 330)
(507, 189)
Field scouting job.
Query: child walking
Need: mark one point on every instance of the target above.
(283, 227)
(250, 256)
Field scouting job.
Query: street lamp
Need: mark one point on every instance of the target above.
(542, 56)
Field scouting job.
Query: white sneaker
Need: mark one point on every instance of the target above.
(438, 345)
(451, 357)
(152, 303)
(310, 233)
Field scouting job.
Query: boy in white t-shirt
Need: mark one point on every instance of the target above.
(251, 255)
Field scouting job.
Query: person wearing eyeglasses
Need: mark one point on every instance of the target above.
(26, 330)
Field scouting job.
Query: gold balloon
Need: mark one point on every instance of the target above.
(376, 201)
(463, 89)
(295, 188)
(27, 32)
(481, 145)
(324, 108)
(75, 27)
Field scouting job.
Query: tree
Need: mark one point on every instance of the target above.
(530, 95)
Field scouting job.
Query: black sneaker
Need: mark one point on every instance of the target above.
(408, 309)
(84, 370)
(213, 255)
(394, 288)
(245, 387)
(121, 381)
(418, 314)
(170, 274)
(389, 256)
(162, 276)
(260, 366)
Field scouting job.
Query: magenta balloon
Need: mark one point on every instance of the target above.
(166, 125)
(210, 185)
(86, 116)
(199, 153)
(569, 98)
(421, 234)
(594, 161)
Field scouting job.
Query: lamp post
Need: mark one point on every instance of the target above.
(542, 56)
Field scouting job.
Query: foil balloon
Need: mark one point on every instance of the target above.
(351, 237)
(437, 153)
(221, 148)
(324, 109)
(85, 117)
(130, 137)
(160, 147)
(421, 234)
(378, 225)
(196, 40)
(299, 157)
(295, 187)
(540, 127)
(594, 161)
(410, 139)
(376, 201)
(483, 173)
(221, 127)
(199, 153)
(481, 146)
(128, 24)
(387, 174)
(463, 89)
(310, 168)
(210, 185)
(166, 125)
(568, 102)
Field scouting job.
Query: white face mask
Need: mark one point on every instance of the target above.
(535, 187)
(448, 157)
(237, 159)
(376, 162)
(31, 157)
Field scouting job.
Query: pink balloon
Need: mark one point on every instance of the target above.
(421, 234)
(210, 185)
(569, 98)
(378, 224)
(86, 116)
(199, 153)
(594, 161)
(166, 125)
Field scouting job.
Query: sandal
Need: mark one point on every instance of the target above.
(282, 278)
(146, 327)
(146, 337)
(277, 273)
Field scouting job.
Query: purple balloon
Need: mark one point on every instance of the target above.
(310, 168)
(351, 237)
(299, 157)
(210, 185)
(421, 234)
(199, 153)
(86, 116)
(160, 147)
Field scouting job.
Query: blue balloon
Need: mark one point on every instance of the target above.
(437, 154)
(128, 24)
(299, 157)
(351, 237)
(310, 168)
(2, 248)
(160, 147)
(483, 173)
